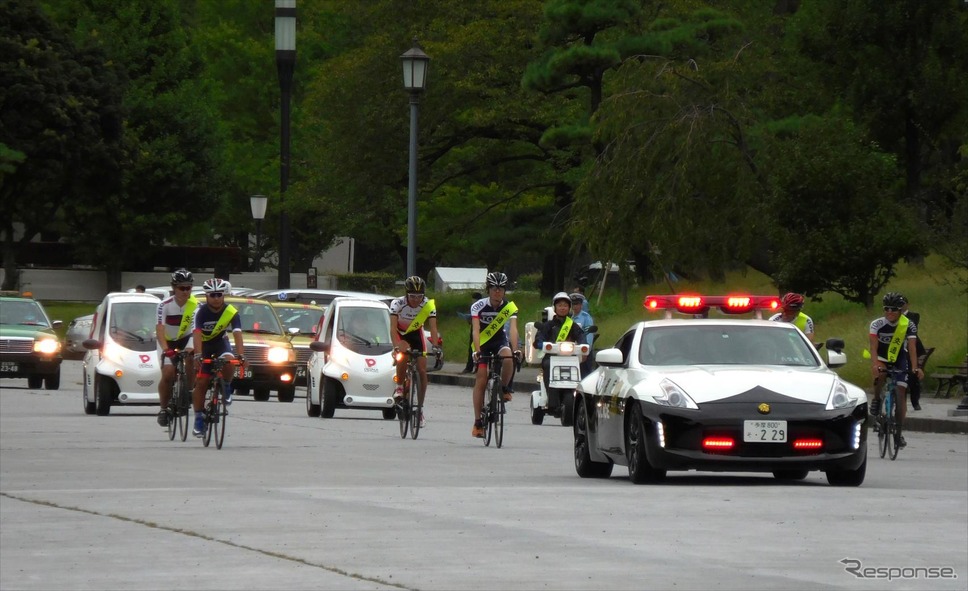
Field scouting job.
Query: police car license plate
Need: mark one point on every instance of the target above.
(9, 367)
(764, 431)
(247, 374)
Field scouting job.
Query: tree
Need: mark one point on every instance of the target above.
(171, 167)
(61, 119)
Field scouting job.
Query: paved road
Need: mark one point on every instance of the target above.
(293, 502)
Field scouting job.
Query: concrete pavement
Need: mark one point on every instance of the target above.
(933, 416)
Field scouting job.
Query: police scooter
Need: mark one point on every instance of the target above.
(564, 373)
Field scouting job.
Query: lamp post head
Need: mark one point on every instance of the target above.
(285, 25)
(258, 204)
(415, 63)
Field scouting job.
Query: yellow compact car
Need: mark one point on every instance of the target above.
(270, 359)
(305, 318)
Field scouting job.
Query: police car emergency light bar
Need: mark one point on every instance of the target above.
(700, 305)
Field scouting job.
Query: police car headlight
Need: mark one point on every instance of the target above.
(47, 346)
(840, 397)
(278, 354)
(674, 396)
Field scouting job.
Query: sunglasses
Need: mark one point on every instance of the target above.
(214, 294)
(414, 295)
(891, 309)
(184, 287)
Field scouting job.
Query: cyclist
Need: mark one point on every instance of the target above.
(213, 322)
(489, 315)
(174, 331)
(792, 305)
(560, 327)
(892, 345)
(408, 315)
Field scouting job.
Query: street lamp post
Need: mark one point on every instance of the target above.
(258, 204)
(285, 63)
(415, 63)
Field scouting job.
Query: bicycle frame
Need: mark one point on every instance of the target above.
(410, 408)
(180, 401)
(215, 412)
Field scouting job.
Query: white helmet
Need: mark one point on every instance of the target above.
(216, 285)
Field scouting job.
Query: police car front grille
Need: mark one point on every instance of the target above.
(16, 345)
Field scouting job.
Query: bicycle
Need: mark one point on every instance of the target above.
(409, 408)
(215, 412)
(493, 411)
(180, 402)
(887, 422)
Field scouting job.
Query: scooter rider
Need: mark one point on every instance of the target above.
(557, 329)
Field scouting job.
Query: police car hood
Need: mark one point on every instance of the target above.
(709, 383)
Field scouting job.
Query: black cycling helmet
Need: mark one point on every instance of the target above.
(894, 299)
(414, 284)
(182, 276)
(496, 279)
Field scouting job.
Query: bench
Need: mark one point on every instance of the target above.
(951, 376)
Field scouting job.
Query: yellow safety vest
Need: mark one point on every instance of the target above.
(565, 329)
(186, 321)
(897, 341)
(223, 321)
(801, 322)
(429, 307)
(498, 323)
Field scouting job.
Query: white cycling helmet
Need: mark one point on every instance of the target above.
(216, 285)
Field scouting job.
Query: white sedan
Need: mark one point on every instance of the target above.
(719, 395)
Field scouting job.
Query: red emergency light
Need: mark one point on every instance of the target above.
(699, 304)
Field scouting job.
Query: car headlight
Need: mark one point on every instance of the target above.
(47, 346)
(674, 396)
(839, 397)
(113, 352)
(278, 354)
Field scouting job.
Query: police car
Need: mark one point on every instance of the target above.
(719, 394)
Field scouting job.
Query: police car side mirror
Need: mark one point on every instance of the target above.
(609, 357)
(835, 345)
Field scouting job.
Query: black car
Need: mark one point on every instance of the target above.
(29, 347)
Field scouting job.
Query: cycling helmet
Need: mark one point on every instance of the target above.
(560, 296)
(792, 301)
(217, 285)
(414, 284)
(496, 279)
(894, 299)
(182, 276)
(577, 298)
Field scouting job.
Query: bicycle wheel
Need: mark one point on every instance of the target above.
(403, 415)
(221, 414)
(489, 414)
(172, 411)
(896, 430)
(881, 434)
(209, 413)
(183, 410)
(414, 404)
(499, 417)
(890, 427)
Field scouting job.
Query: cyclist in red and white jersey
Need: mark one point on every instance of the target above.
(408, 315)
(174, 332)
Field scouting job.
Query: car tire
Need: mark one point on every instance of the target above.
(103, 396)
(312, 410)
(567, 410)
(260, 394)
(790, 474)
(390, 414)
(584, 465)
(640, 470)
(89, 405)
(52, 381)
(286, 394)
(328, 396)
(537, 414)
(848, 477)
(35, 382)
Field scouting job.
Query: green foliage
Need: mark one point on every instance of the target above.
(369, 282)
